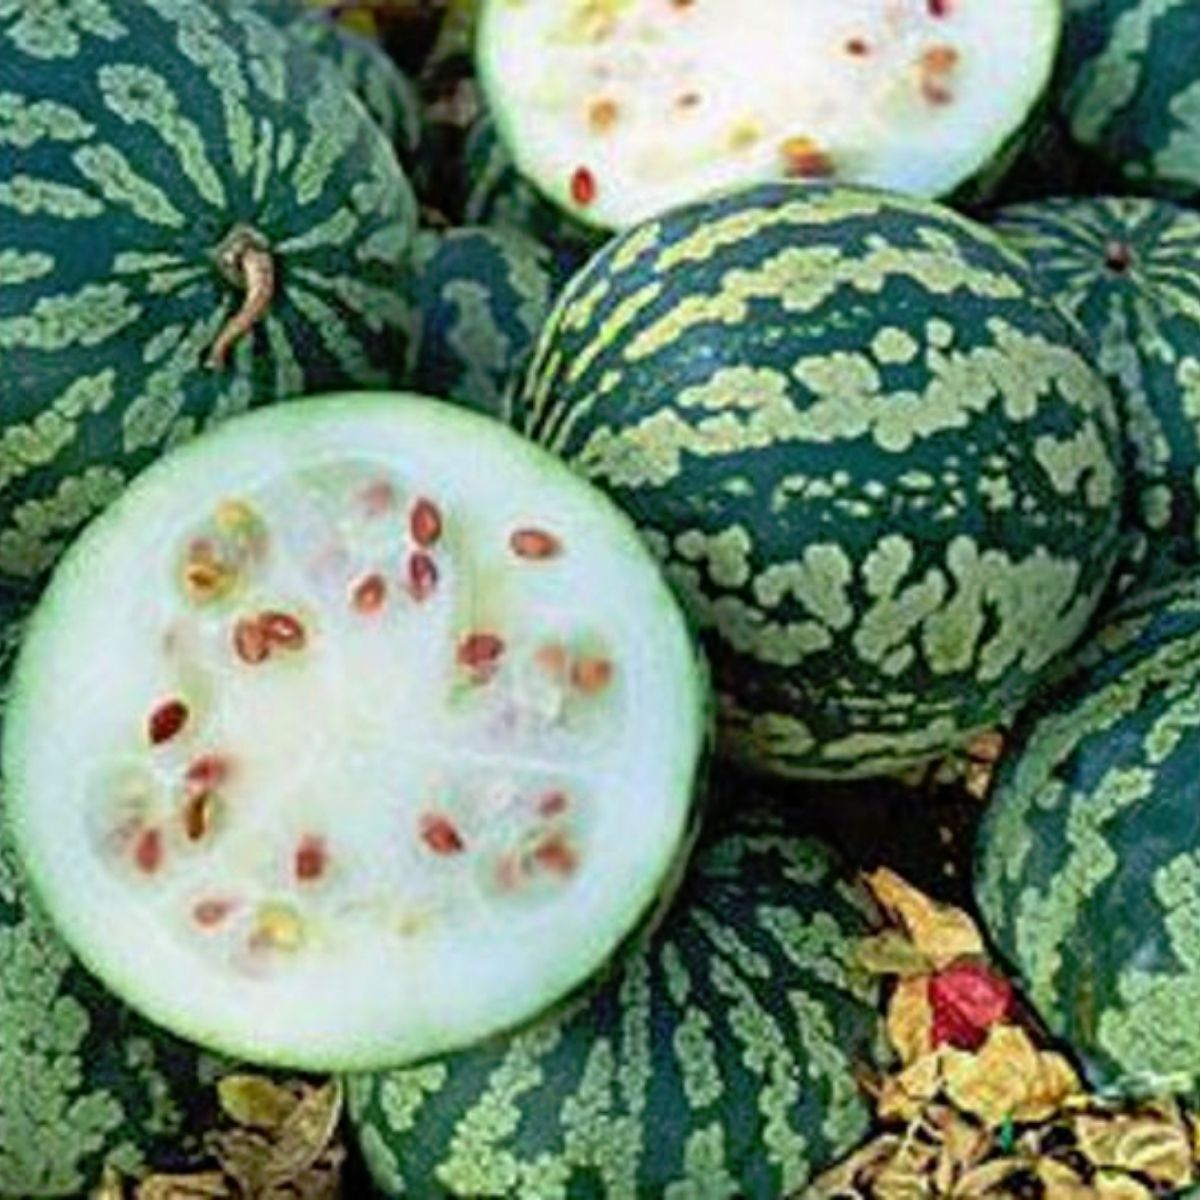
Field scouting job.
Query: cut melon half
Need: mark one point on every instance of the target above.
(621, 109)
(354, 732)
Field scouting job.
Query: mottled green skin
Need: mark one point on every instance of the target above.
(1129, 89)
(481, 296)
(868, 453)
(385, 91)
(1088, 871)
(82, 1080)
(717, 1063)
(135, 136)
(1128, 271)
(497, 194)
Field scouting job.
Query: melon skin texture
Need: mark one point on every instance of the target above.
(1129, 93)
(619, 113)
(717, 1062)
(1088, 860)
(153, 153)
(83, 1081)
(874, 461)
(1127, 270)
(481, 296)
(394, 744)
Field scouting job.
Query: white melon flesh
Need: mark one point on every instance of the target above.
(621, 109)
(354, 732)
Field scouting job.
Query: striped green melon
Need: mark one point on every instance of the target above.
(719, 1062)
(868, 452)
(480, 298)
(1088, 871)
(619, 111)
(383, 738)
(1130, 92)
(1128, 270)
(497, 194)
(168, 164)
(82, 1080)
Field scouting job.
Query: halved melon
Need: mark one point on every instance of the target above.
(354, 732)
(621, 109)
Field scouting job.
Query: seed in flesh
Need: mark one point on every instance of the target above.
(936, 65)
(378, 497)
(480, 654)
(534, 544)
(591, 674)
(441, 835)
(552, 804)
(210, 913)
(556, 855)
(425, 523)
(553, 659)
(804, 159)
(148, 851)
(602, 115)
(167, 720)
(310, 859)
(250, 642)
(283, 630)
(206, 774)
(369, 594)
(583, 187)
(422, 576)
(277, 927)
(198, 816)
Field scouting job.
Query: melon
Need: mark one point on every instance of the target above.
(384, 738)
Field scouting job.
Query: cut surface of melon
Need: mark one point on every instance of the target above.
(621, 109)
(355, 731)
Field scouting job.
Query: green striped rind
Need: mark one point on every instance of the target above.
(868, 453)
(135, 135)
(497, 194)
(384, 90)
(719, 1062)
(481, 296)
(1088, 871)
(1128, 271)
(1130, 91)
(82, 1080)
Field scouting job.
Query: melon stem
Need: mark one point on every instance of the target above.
(246, 260)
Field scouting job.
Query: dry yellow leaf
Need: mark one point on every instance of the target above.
(891, 953)
(1111, 1186)
(987, 1180)
(863, 1163)
(1053, 1084)
(941, 933)
(255, 1101)
(1159, 1149)
(1059, 1182)
(205, 1185)
(993, 1082)
(906, 1175)
(910, 1020)
(903, 1097)
(306, 1135)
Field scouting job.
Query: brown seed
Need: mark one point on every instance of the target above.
(480, 653)
(166, 721)
(310, 859)
(552, 804)
(857, 47)
(369, 594)
(283, 629)
(602, 115)
(555, 854)
(804, 159)
(205, 581)
(591, 675)
(936, 64)
(148, 851)
(208, 913)
(441, 835)
(425, 523)
(198, 815)
(422, 576)
(687, 100)
(250, 641)
(534, 543)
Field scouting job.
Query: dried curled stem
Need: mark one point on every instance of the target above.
(255, 269)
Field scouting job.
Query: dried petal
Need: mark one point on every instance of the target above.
(255, 1101)
(1059, 1182)
(993, 1083)
(904, 1096)
(910, 1020)
(1049, 1091)
(1146, 1146)
(306, 1134)
(891, 953)
(1109, 1186)
(938, 931)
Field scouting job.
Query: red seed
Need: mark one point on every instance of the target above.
(369, 594)
(552, 804)
(940, 8)
(250, 641)
(583, 187)
(480, 653)
(310, 859)
(148, 852)
(166, 721)
(534, 543)
(207, 913)
(283, 629)
(206, 774)
(422, 576)
(441, 835)
(591, 675)
(555, 854)
(425, 523)
(804, 159)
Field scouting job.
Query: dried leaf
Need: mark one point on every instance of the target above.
(256, 1102)
(984, 1181)
(941, 933)
(306, 1134)
(1059, 1182)
(206, 1185)
(891, 953)
(904, 1096)
(963, 1147)
(243, 1155)
(910, 1020)
(905, 1176)
(863, 1165)
(1148, 1146)
(993, 1083)
(1109, 1186)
